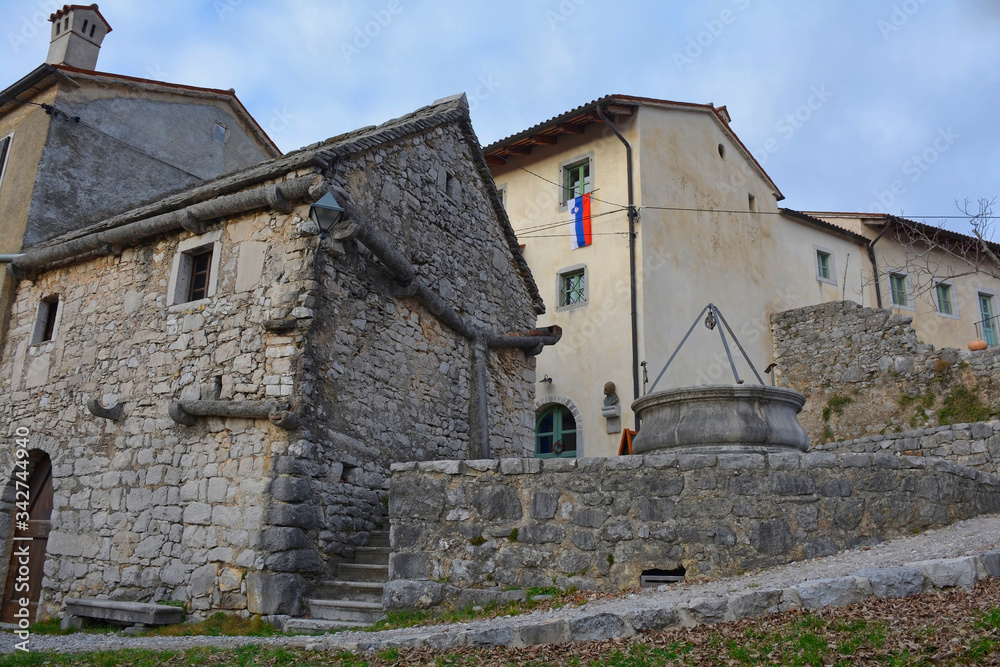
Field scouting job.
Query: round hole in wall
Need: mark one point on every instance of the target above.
(722, 151)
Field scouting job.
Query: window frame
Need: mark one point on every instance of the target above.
(561, 277)
(831, 265)
(907, 291)
(565, 168)
(992, 295)
(179, 288)
(5, 143)
(558, 411)
(47, 320)
(952, 301)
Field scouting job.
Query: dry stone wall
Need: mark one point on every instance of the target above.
(973, 445)
(864, 371)
(599, 523)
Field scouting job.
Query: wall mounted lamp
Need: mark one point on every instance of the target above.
(326, 213)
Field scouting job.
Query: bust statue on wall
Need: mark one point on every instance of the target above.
(611, 410)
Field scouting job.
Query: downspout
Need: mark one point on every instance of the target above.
(633, 295)
(871, 257)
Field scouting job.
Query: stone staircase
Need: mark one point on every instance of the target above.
(352, 599)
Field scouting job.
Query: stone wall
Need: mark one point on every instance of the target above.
(864, 371)
(145, 508)
(973, 445)
(599, 523)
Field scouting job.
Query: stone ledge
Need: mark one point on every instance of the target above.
(129, 613)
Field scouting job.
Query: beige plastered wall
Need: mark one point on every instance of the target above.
(30, 126)
(596, 343)
(924, 267)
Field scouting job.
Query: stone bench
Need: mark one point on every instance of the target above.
(120, 613)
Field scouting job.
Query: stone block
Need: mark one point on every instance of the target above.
(772, 538)
(991, 561)
(128, 613)
(410, 594)
(540, 534)
(949, 572)
(416, 497)
(303, 516)
(282, 538)
(496, 636)
(893, 582)
(497, 503)
(408, 566)
(596, 627)
(289, 489)
(544, 504)
(833, 592)
(752, 604)
(545, 632)
(450, 467)
(295, 560)
(707, 610)
(480, 597)
(198, 513)
(203, 580)
(786, 484)
(269, 594)
(589, 517)
(655, 618)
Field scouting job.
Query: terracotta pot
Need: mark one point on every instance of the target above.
(978, 345)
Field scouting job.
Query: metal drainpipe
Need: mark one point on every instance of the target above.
(871, 257)
(632, 215)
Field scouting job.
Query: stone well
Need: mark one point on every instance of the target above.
(720, 418)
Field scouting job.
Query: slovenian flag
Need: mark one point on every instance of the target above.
(579, 211)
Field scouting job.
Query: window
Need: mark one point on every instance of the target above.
(988, 324)
(752, 203)
(4, 152)
(826, 266)
(502, 191)
(897, 286)
(577, 179)
(572, 287)
(195, 273)
(200, 268)
(555, 433)
(823, 264)
(219, 133)
(45, 322)
(943, 296)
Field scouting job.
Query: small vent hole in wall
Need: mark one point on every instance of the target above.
(722, 151)
(656, 577)
(752, 202)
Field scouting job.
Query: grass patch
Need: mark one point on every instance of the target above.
(51, 627)
(218, 625)
(962, 406)
(835, 406)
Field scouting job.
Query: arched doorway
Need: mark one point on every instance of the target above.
(555, 432)
(30, 536)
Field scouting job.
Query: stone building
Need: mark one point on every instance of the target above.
(77, 145)
(706, 225)
(222, 392)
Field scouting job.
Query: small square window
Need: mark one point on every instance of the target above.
(576, 180)
(572, 287)
(45, 323)
(823, 264)
(944, 301)
(219, 133)
(897, 285)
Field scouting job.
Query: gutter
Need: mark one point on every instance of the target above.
(633, 295)
(871, 258)
(193, 218)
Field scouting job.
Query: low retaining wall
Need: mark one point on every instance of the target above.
(974, 445)
(599, 523)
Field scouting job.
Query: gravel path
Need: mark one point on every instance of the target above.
(966, 538)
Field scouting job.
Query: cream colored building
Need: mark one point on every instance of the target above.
(707, 228)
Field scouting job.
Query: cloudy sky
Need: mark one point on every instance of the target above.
(874, 105)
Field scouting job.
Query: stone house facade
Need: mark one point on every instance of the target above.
(220, 398)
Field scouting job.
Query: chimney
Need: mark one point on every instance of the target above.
(77, 33)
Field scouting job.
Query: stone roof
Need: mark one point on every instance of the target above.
(322, 155)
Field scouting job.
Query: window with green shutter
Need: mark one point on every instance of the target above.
(897, 285)
(577, 180)
(944, 304)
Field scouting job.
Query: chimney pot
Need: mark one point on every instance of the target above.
(77, 33)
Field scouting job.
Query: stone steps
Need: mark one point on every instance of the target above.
(354, 598)
(358, 572)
